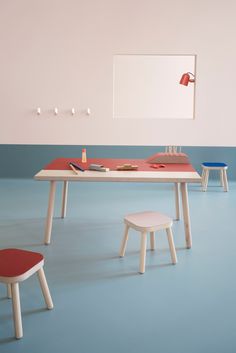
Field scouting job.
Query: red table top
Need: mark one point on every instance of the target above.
(63, 164)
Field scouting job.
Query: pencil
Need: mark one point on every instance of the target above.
(73, 168)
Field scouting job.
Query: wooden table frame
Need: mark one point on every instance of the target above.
(180, 180)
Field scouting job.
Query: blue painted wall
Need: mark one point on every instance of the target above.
(23, 161)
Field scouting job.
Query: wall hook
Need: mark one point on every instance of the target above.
(56, 111)
(88, 111)
(38, 111)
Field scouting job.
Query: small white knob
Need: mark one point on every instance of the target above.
(56, 111)
(88, 111)
(38, 111)
(73, 111)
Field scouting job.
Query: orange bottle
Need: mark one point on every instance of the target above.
(84, 157)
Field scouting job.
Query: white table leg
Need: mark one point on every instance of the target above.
(206, 177)
(177, 208)
(16, 310)
(203, 177)
(185, 205)
(64, 199)
(48, 229)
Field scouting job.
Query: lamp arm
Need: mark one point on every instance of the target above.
(191, 79)
(190, 73)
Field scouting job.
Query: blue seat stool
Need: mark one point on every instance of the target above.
(222, 167)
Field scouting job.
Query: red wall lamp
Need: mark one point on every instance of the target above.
(185, 79)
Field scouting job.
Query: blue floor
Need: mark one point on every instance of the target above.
(102, 304)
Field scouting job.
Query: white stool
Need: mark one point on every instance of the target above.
(222, 167)
(148, 222)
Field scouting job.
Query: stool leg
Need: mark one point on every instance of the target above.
(124, 241)
(206, 180)
(152, 240)
(171, 245)
(177, 217)
(226, 187)
(221, 177)
(9, 294)
(45, 289)
(16, 310)
(143, 252)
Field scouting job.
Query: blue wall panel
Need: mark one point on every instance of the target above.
(23, 161)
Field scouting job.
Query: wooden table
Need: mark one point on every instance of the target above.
(59, 171)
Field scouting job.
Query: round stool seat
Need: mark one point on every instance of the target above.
(148, 220)
(16, 263)
(214, 165)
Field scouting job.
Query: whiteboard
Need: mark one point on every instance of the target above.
(147, 87)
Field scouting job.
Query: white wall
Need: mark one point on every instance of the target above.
(60, 53)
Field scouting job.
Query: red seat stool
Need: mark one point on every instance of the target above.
(15, 266)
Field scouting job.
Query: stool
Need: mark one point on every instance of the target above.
(222, 167)
(15, 266)
(148, 222)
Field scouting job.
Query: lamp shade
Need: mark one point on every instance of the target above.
(185, 79)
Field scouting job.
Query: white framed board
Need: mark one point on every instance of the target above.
(148, 87)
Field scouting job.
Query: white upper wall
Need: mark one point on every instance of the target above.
(60, 53)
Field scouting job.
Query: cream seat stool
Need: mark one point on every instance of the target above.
(15, 266)
(148, 222)
(222, 167)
